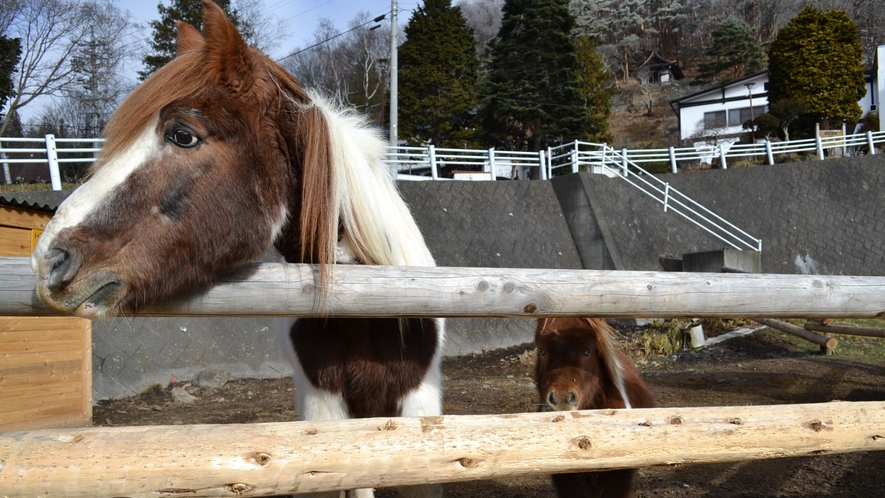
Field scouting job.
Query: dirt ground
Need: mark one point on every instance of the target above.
(761, 368)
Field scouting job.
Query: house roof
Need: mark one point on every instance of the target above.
(695, 98)
(46, 201)
(657, 61)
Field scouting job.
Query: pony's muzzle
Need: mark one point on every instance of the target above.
(563, 400)
(59, 267)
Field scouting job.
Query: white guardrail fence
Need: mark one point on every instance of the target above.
(425, 163)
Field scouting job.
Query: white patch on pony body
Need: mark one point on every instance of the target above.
(91, 194)
(312, 403)
(426, 400)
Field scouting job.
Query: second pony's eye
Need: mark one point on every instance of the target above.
(587, 353)
(541, 352)
(182, 137)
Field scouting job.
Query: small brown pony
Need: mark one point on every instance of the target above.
(580, 368)
(214, 158)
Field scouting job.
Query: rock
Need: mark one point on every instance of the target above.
(212, 377)
(182, 396)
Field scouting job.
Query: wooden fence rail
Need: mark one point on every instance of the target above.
(297, 457)
(272, 289)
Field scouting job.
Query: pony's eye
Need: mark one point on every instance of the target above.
(587, 353)
(182, 138)
(541, 352)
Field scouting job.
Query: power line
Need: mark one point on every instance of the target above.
(377, 19)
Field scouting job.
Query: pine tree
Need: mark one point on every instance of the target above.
(531, 89)
(165, 35)
(734, 53)
(10, 54)
(816, 60)
(592, 81)
(437, 75)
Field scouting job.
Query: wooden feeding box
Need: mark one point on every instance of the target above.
(45, 362)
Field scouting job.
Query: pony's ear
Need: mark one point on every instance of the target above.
(229, 55)
(189, 38)
(542, 326)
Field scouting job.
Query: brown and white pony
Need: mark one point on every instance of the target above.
(579, 367)
(217, 156)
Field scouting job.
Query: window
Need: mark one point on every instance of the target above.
(737, 117)
(714, 119)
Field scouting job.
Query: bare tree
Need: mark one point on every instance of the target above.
(484, 17)
(50, 32)
(349, 66)
(266, 32)
(98, 63)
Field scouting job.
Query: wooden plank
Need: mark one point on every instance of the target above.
(40, 380)
(43, 323)
(274, 289)
(61, 387)
(303, 457)
(41, 346)
(69, 409)
(15, 242)
(23, 218)
(86, 400)
(75, 334)
(28, 399)
(65, 420)
(39, 357)
(41, 368)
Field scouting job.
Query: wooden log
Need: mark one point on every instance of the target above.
(273, 289)
(827, 344)
(298, 457)
(844, 329)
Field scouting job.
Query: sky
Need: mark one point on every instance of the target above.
(300, 16)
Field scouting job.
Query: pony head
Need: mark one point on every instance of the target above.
(202, 170)
(577, 366)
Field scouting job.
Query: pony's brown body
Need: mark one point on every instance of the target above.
(579, 368)
(214, 158)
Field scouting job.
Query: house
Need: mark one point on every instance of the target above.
(659, 69)
(721, 111)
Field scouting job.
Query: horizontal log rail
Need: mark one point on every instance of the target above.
(827, 344)
(845, 329)
(275, 289)
(298, 457)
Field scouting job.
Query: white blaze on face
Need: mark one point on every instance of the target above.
(92, 193)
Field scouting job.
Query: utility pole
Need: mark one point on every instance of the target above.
(394, 99)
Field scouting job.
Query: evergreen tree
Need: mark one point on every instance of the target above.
(531, 88)
(592, 81)
(10, 54)
(437, 73)
(816, 60)
(734, 53)
(165, 35)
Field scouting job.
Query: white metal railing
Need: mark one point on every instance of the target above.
(425, 163)
(48, 150)
(617, 164)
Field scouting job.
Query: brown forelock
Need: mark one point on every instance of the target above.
(372, 363)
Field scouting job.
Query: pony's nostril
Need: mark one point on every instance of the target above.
(551, 398)
(572, 397)
(62, 267)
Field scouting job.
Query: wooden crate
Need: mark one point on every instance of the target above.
(45, 372)
(45, 362)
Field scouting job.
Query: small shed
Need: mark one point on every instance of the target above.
(45, 362)
(659, 69)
